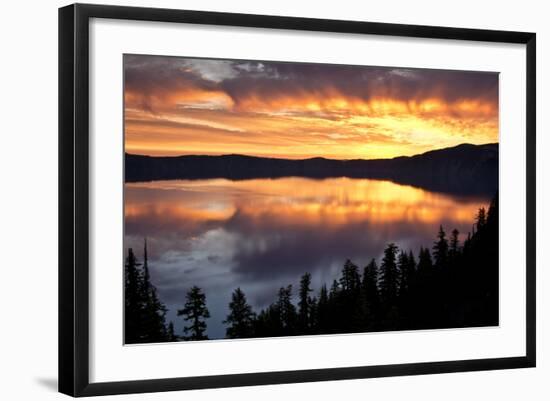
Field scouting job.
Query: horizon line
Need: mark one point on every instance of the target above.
(307, 158)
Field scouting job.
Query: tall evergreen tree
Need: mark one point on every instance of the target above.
(323, 311)
(133, 301)
(287, 311)
(241, 317)
(154, 311)
(146, 276)
(195, 312)
(441, 291)
(407, 287)
(144, 312)
(350, 281)
(492, 214)
(389, 277)
(425, 263)
(335, 295)
(314, 311)
(352, 304)
(406, 266)
(305, 304)
(268, 322)
(371, 296)
(334, 289)
(480, 219)
(454, 244)
(441, 249)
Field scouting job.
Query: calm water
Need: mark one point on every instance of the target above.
(265, 233)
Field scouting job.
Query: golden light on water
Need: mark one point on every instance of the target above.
(296, 201)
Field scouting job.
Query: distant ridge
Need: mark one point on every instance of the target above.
(464, 169)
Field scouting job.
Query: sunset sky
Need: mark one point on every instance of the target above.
(180, 106)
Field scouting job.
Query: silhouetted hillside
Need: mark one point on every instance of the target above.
(464, 169)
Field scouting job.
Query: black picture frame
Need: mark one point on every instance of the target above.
(74, 198)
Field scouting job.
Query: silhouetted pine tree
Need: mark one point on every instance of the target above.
(352, 304)
(481, 260)
(133, 301)
(337, 320)
(154, 311)
(313, 308)
(425, 264)
(389, 288)
(424, 307)
(305, 305)
(441, 249)
(287, 311)
(407, 270)
(480, 219)
(454, 244)
(371, 296)
(268, 323)
(389, 276)
(241, 317)
(322, 322)
(492, 260)
(441, 264)
(456, 280)
(144, 319)
(350, 281)
(195, 312)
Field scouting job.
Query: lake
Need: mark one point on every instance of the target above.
(261, 234)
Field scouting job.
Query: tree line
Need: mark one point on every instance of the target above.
(449, 285)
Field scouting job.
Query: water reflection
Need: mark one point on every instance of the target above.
(264, 233)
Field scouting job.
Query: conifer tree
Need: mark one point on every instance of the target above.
(370, 289)
(389, 277)
(407, 269)
(195, 312)
(337, 319)
(441, 249)
(323, 311)
(454, 244)
(351, 280)
(133, 301)
(144, 312)
(480, 219)
(286, 311)
(305, 304)
(241, 317)
(334, 289)
(268, 322)
(402, 267)
(352, 308)
(154, 311)
(425, 263)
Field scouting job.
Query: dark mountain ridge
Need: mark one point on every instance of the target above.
(464, 169)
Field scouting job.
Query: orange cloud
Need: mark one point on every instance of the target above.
(173, 110)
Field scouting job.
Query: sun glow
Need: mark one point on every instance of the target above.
(288, 111)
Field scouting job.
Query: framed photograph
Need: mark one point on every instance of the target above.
(250, 199)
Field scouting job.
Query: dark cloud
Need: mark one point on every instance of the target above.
(364, 83)
(268, 81)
